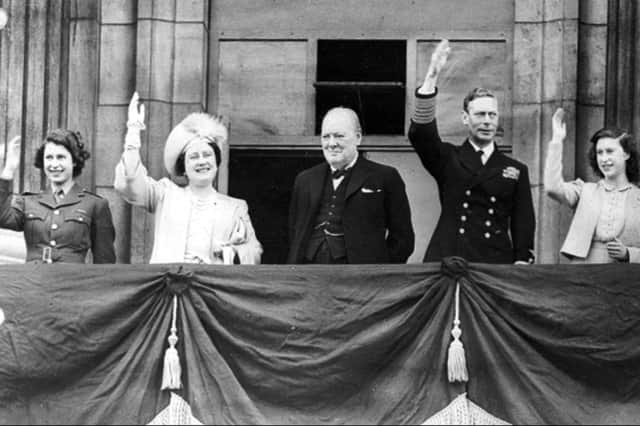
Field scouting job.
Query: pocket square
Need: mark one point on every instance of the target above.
(511, 173)
(369, 191)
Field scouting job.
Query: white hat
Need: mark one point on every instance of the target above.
(197, 125)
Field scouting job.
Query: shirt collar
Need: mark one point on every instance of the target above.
(350, 165)
(488, 150)
(66, 188)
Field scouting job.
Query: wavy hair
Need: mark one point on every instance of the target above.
(628, 144)
(69, 139)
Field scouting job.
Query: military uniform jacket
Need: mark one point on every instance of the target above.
(487, 211)
(62, 232)
(376, 217)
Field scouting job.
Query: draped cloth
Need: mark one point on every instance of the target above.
(315, 344)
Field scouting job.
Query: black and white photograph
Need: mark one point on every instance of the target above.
(321, 212)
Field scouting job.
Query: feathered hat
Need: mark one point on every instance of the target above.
(196, 126)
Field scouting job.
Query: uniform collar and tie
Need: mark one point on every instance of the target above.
(60, 192)
(485, 152)
(337, 176)
(72, 195)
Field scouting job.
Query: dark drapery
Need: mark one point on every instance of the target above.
(319, 344)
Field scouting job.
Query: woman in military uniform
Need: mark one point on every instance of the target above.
(64, 222)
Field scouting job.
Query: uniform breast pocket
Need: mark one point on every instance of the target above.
(33, 223)
(77, 229)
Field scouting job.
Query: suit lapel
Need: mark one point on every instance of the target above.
(46, 199)
(358, 176)
(75, 194)
(316, 187)
(493, 167)
(468, 157)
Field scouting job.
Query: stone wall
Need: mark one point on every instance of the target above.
(75, 63)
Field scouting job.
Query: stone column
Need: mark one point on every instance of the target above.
(592, 77)
(116, 83)
(33, 67)
(544, 78)
(170, 74)
(622, 107)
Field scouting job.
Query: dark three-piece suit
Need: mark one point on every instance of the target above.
(368, 212)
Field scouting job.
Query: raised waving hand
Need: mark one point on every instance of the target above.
(12, 161)
(438, 61)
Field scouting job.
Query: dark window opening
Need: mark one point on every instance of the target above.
(264, 179)
(368, 76)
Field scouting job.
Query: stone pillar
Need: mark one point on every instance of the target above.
(33, 66)
(592, 71)
(171, 70)
(116, 83)
(622, 107)
(544, 78)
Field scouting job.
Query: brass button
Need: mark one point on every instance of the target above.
(56, 212)
(461, 230)
(54, 226)
(488, 223)
(53, 243)
(463, 218)
(493, 199)
(468, 192)
(465, 205)
(491, 211)
(487, 235)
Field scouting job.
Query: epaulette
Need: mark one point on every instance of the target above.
(91, 193)
(27, 193)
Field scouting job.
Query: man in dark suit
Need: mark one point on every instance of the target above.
(349, 209)
(487, 210)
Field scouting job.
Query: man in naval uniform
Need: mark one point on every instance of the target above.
(487, 210)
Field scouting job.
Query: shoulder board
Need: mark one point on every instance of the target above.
(91, 193)
(28, 193)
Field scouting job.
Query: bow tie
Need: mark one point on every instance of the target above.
(337, 174)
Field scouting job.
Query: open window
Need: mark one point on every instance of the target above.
(368, 76)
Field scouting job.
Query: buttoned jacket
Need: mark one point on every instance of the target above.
(376, 216)
(487, 210)
(60, 231)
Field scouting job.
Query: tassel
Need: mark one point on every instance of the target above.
(456, 361)
(171, 371)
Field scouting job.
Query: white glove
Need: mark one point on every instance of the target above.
(12, 162)
(135, 123)
(558, 126)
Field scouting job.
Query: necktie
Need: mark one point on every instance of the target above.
(480, 154)
(59, 195)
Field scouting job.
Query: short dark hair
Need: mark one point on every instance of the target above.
(628, 144)
(478, 92)
(180, 170)
(72, 142)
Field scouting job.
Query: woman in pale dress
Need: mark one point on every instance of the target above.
(193, 223)
(606, 223)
